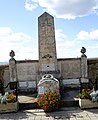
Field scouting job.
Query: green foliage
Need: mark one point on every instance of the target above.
(85, 94)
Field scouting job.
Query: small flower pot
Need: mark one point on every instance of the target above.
(86, 103)
(9, 107)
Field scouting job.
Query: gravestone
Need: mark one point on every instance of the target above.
(47, 83)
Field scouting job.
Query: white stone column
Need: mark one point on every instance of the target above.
(84, 67)
(13, 74)
(12, 67)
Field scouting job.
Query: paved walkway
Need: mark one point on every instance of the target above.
(68, 113)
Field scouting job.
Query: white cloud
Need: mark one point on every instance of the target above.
(27, 53)
(30, 5)
(21, 43)
(83, 35)
(62, 40)
(7, 35)
(60, 36)
(5, 31)
(71, 48)
(64, 46)
(68, 9)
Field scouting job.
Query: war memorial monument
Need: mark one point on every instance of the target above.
(67, 73)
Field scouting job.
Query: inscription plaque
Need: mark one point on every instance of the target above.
(41, 90)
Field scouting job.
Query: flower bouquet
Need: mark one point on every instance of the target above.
(50, 101)
(85, 94)
(11, 98)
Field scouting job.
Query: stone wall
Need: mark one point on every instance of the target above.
(27, 75)
(27, 71)
(6, 77)
(93, 72)
(69, 68)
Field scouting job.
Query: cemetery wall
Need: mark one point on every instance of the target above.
(27, 71)
(27, 75)
(93, 72)
(6, 77)
(69, 68)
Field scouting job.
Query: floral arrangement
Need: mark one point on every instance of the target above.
(49, 101)
(7, 98)
(85, 94)
(11, 98)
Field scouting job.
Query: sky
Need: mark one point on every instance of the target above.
(76, 26)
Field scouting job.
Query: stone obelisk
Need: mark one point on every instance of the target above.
(47, 44)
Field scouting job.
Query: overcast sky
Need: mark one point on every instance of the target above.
(76, 26)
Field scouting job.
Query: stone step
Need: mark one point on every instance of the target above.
(71, 104)
(24, 106)
(68, 96)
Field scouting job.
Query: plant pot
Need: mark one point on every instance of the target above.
(86, 103)
(9, 107)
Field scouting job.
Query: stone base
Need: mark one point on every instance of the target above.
(71, 83)
(9, 107)
(84, 80)
(86, 103)
(55, 74)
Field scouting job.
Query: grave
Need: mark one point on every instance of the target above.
(47, 83)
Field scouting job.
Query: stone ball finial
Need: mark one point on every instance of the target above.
(83, 50)
(12, 54)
